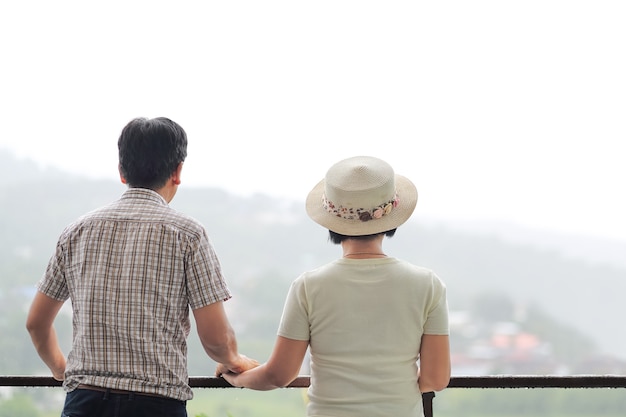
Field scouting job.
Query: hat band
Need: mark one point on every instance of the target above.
(349, 213)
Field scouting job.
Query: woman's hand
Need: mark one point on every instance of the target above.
(233, 379)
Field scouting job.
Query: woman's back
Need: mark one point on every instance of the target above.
(366, 318)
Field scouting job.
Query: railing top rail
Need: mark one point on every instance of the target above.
(538, 381)
(303, 381)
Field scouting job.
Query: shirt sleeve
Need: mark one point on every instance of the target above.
(294, 323)
(53, 283)
(205, 282)
(437, 316)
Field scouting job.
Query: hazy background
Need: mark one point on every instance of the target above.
(537, 306)
(499, 111)
(508, 116)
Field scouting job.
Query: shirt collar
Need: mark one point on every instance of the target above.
(145, 194)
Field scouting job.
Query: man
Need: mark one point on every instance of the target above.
(132, 270)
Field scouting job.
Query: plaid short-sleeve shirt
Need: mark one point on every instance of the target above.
(132, 270)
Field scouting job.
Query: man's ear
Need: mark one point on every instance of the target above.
(177, 174)
(119, 168)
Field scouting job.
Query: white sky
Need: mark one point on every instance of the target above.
(504, 110)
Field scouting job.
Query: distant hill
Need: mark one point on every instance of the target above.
(258, 237)
(576, 246)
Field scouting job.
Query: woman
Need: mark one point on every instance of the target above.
(367, 318)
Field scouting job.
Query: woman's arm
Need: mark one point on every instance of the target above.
(434, 373)
(281, 369)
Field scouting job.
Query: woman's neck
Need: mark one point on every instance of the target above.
(363, 249)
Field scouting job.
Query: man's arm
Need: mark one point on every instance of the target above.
(282, 367)
(434, 373)
(39, 324)
(218, 338)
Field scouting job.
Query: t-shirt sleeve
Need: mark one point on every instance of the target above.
(294, 323)
(437, 315)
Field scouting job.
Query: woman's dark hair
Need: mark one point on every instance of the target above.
(150, 150)
(337, 238)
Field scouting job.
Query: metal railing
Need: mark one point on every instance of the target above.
(303, 381)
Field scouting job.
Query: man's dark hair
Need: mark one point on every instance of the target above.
(337, 238)
(150, 150)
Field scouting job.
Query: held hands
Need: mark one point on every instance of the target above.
(233, 379)
(243, 364)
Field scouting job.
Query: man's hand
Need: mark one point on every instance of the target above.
(243, 364)
(59, 375)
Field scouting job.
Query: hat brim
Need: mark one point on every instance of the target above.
(407, 197)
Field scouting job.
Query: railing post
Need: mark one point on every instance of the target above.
(427, 402)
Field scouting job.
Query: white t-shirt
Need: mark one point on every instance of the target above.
(364, 319)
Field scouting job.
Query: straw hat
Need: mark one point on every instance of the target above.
(361, 196)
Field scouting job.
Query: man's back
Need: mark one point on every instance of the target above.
(124, 268)
(132, 270)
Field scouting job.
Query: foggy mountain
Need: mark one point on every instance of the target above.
(258, 237)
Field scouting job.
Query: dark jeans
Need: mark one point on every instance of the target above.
(88, 403)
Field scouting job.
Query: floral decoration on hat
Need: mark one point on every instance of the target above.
(350, 213)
